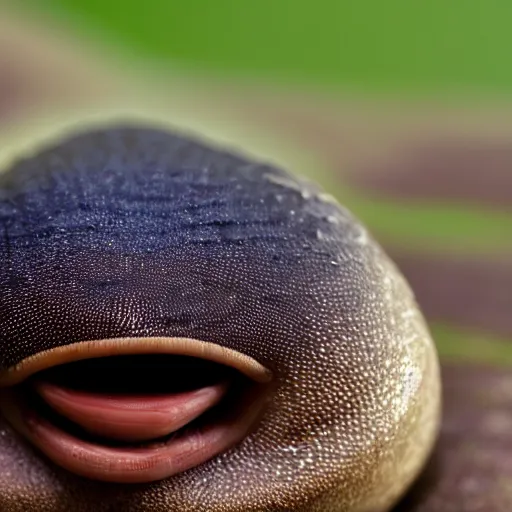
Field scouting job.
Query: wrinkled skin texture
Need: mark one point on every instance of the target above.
(136, 232)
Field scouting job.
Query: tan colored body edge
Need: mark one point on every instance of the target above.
(390, 486)
(423, 435)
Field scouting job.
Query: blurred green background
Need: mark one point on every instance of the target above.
(379, 46)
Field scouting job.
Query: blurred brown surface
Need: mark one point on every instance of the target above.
(474, 171)
(40, 68)
(471, 468)
(470, 292)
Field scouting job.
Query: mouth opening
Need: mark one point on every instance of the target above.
(135, 417)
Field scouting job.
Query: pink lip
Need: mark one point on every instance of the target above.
(130, 418)
(132, 436)
(127, 464)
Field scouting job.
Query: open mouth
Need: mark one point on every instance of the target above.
(134, 410)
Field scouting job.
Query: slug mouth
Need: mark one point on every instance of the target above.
(134, 410)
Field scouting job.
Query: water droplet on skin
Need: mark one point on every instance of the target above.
(327, 198)
(282, 181)
(362, 238)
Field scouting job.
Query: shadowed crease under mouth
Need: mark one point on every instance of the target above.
(134, 410)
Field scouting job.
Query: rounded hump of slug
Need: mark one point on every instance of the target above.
(106, 185)
(110, 212)
(131, 232)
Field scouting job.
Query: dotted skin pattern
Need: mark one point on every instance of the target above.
(131, 231)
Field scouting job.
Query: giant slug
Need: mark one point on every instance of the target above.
(183, 329)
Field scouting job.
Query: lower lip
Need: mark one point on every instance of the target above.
(154, 462)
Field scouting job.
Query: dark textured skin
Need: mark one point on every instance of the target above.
(137, 232)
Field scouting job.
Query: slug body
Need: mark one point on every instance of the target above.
(139, 244)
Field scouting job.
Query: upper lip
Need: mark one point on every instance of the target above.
(110, 410)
